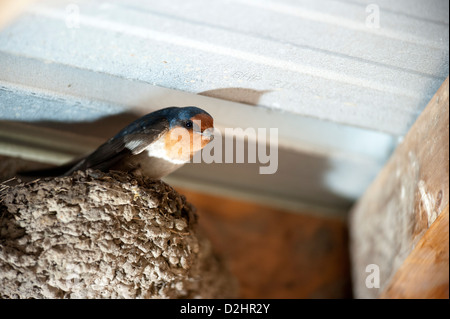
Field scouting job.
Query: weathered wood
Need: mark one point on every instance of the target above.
(425, 273)
(405, 198)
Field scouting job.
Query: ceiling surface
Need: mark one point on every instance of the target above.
(342, 81)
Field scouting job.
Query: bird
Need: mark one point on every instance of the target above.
(153, 146)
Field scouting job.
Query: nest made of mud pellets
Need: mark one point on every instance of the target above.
(104, 235)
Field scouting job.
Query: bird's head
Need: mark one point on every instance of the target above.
(191, 129)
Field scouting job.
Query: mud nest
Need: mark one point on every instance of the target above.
(97, 235)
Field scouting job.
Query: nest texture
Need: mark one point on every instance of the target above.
(104, 235)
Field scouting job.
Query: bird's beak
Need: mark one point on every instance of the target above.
(208, 133)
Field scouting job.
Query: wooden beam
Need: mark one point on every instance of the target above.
(425, 273)
(404, 200)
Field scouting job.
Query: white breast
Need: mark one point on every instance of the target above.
(154, 161)
(157, 149)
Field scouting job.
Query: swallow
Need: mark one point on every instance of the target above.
(154, 145)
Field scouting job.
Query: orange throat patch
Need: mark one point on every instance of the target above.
(181, 144)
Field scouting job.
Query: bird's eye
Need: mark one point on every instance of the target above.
(188, 124)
